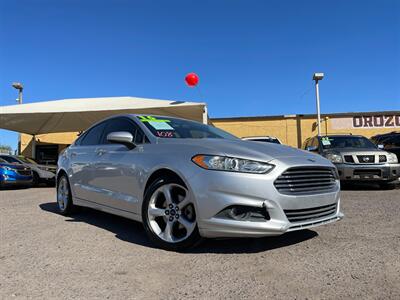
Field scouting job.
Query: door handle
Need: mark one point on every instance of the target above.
(100, 152)
(73, 154)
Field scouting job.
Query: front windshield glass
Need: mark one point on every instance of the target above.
(165, 127)
(331, 142)
(27, 160)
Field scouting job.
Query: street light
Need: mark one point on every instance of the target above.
(316, 78)
(19, 87)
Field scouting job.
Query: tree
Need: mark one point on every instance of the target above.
(5, 149)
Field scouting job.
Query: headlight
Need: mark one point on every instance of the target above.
(232, 164)
(43, 168)
(6, 168)
(392, 158)
(335, 158)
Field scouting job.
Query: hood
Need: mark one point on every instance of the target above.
(13, 166)
(355, 150)
(241, 148)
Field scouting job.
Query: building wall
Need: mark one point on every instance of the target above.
(63, 139)
(292, 130)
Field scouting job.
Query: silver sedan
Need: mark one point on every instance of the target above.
(185, 180)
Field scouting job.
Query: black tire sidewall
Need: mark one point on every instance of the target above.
(191, 241)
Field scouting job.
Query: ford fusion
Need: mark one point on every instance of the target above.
(186, 181)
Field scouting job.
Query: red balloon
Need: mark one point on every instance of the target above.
(192, 79)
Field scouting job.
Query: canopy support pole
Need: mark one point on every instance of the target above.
(34, 147)
(205, 115)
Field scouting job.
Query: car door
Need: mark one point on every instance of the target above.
(118, 168)
(82, 156)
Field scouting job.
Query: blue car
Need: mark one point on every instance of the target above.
(14, 175)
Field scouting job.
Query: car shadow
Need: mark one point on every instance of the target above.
(133, 232)
(367, 186)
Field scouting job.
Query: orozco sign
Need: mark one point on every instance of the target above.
(367, 121)
(376, 121)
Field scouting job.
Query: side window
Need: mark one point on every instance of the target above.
(123, 124)
(93, 136)
(10, 159)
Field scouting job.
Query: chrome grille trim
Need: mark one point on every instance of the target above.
(306, 180)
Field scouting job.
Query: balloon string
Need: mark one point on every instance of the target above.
(201, 95)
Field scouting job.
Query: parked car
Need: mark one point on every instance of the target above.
(14, 174)
(185, 180)
(389, 142)
(265, 139)
(41, 173)
(356, 158)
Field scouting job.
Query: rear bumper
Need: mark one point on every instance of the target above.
(368, 172)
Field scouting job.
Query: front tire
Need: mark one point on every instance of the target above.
(169, 216)
(64, 197)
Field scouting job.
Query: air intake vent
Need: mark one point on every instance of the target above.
(306, 180)
(310, 214)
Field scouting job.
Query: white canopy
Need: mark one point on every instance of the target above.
(72, 115)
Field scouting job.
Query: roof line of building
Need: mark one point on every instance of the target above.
(369, 113)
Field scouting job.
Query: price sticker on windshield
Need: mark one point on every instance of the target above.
(157, 124)
(325, 141)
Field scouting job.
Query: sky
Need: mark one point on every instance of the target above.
(253, 57)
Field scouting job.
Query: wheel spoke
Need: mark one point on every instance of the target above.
(167, 194)
(188, 225)
(156, 212)
(183, 203)
(168, 232)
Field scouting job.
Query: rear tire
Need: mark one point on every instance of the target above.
(36, 179)
(64, 197)
(169, 216)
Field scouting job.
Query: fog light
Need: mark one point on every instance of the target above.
(244, 213)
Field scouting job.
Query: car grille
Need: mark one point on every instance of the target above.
(366, 159)
(306, 180)
(349, 159)
(26, 172)
(309, 214)
(382, 158)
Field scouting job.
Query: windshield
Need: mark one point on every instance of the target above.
(331, 142)
(27, 160)
(165, 127)
(267, 140)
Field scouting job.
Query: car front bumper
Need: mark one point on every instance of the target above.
(11, 180)
(215, 191)
(368, 172)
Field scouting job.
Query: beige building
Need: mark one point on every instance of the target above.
(290, 129)
(293, 130)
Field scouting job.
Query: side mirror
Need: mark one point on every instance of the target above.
(381, 147)
(312, 148)
(121, 137)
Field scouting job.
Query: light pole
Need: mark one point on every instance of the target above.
(19, 87)
(316, 78)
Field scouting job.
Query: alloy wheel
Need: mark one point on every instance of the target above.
(62, 193)
(171, 213)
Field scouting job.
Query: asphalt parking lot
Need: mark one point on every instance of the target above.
(93, 255)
